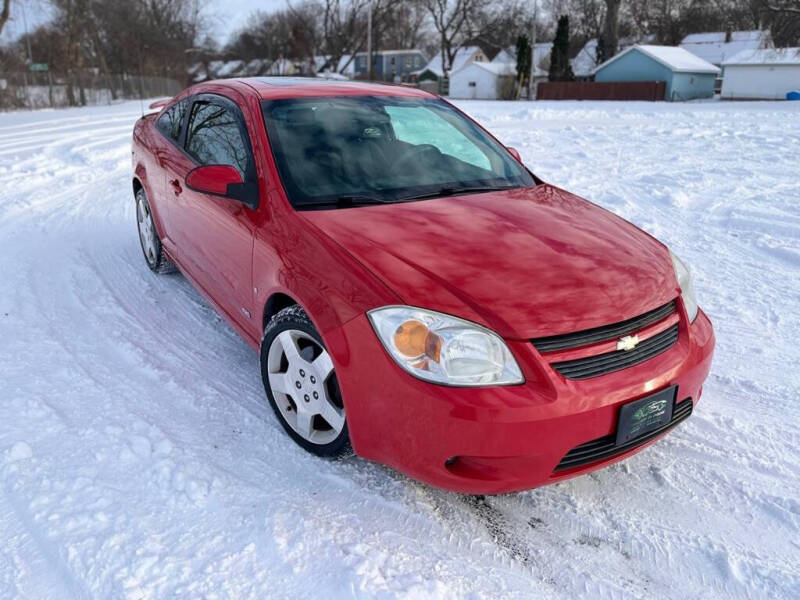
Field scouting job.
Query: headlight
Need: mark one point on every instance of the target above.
(444, 349)
(685, 282)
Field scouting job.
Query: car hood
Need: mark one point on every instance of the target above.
(526, 263)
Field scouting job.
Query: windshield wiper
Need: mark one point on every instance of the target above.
(359, 199)
(454, 191)
(348, 200)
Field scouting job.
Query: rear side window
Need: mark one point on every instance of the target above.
(170, 122)
(215, 138)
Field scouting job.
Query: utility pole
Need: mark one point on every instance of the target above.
(369, 40)
(531, 84)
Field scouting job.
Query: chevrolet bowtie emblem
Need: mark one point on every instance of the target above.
(629, 342)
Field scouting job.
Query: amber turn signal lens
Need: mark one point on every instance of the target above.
(414, 339)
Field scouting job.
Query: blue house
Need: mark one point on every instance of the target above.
(686, 75)
(390, 65)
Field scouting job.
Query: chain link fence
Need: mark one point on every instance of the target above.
(43, 89)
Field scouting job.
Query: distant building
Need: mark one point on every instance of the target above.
(687, 76)
(220, 69)
(483, 81)
(390, 65)
(433, 70)
(324, 65)
(585, 61)
(763, 74)
(718, 46)
(541, 60)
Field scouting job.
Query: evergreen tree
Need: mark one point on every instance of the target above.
(560, 69)
(523, 61)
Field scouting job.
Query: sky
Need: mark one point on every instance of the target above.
(225, 16)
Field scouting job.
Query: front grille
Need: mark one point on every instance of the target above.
(605, 447)
(605, 333)
(601, 364)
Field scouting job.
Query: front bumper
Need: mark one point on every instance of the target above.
(498, 439)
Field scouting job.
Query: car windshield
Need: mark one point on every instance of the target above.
(335, 151)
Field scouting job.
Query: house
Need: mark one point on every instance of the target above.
(433, 70)
(763, 74)
(718, 46)
(389, 65)
(484, 81)
(345, 65)
(686, 76)
(585, 61)
(284, 66)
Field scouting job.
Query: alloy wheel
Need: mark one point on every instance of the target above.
(147, 231)
(303, 383)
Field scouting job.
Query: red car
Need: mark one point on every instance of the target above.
(416, 293)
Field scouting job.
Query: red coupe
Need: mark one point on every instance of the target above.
(418, 296)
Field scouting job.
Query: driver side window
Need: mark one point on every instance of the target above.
(418, 125)
(215, 138)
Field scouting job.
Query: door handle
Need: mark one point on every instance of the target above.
(176, 186)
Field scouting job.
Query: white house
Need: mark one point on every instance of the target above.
(541, 55)
(483, 81)
(765, 74)
(718, 46)
(433, 70)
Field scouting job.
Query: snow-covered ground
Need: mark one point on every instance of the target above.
(138, 458)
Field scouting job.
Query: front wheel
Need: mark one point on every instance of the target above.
(301, 384)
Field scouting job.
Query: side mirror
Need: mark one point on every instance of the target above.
(223, 180)
(515, 153)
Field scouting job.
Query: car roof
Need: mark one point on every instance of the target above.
(269, 88)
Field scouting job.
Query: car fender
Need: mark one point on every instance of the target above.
(316, 272)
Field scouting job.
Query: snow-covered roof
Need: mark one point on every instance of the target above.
(712, 37)
(674, 58)
(766, 56)
(393, 52)
(229, 68)
(585, 60)
(462, 57)
(256, 66)
(334, 76)
(712, 47)
(350, 67)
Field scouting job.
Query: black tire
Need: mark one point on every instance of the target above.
(295, 318)
(157, 260)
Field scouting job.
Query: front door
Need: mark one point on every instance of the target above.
(214, 235)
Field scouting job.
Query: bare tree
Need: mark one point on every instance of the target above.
(784, 6)
(458, 22)
(5, 14)
(609, 41)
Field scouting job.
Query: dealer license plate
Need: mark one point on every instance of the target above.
(642, 416)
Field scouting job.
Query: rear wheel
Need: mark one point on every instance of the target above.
(153, 252)
(301, 384)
